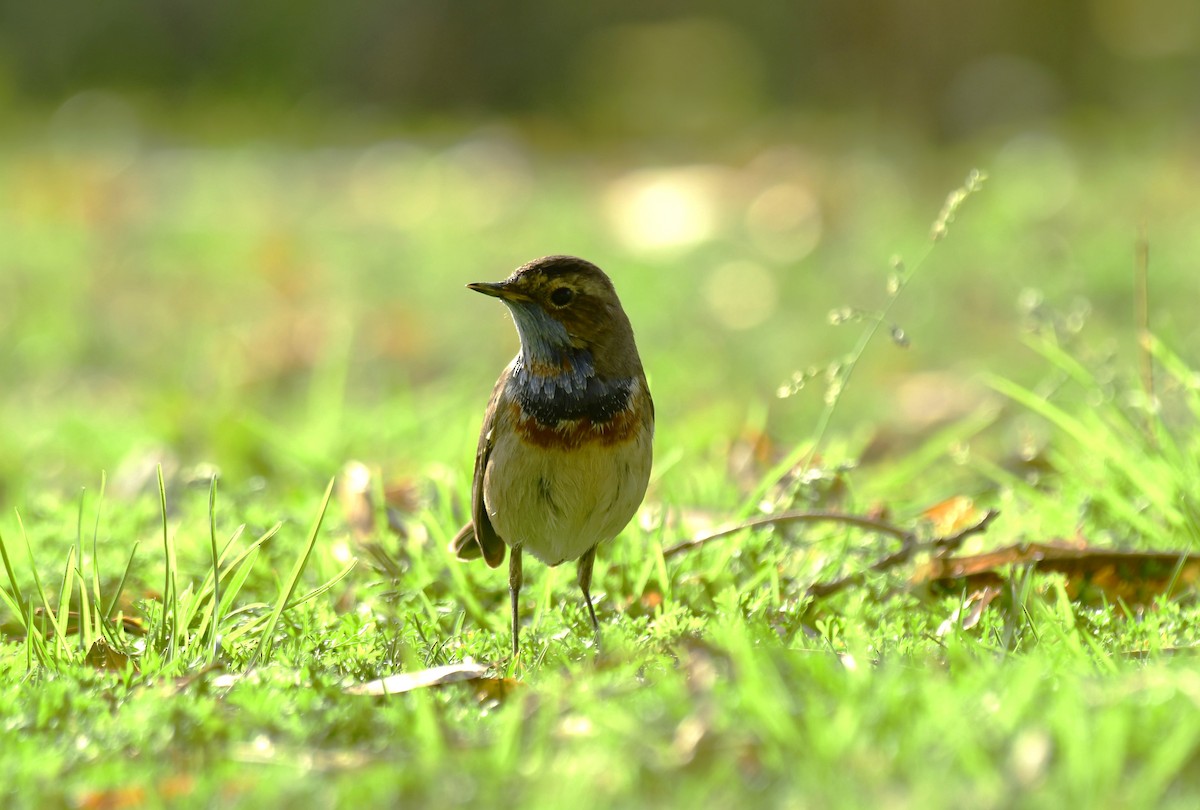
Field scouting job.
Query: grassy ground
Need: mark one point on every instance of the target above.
(272, 313)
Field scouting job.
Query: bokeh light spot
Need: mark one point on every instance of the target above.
(784, 222)
(741, 294)
(664, 209)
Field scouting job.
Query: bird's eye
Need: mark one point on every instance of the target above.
(562, 296)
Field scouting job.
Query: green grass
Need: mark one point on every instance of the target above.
(265, 315)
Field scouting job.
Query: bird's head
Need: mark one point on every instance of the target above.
(562, 305)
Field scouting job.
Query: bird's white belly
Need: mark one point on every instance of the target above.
(556, 504)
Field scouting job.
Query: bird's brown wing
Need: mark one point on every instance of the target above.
(478, 538)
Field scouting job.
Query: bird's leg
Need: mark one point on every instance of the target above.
(514, 592)
(585, 584)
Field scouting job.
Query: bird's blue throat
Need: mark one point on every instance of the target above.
(575, 392)
(553, 380)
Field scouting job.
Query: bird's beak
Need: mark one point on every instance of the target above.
(492, 288)
(497, 289)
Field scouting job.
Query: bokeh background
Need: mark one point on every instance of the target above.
(237, 234)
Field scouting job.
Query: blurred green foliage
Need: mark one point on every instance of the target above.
(239, 233)
(278, 310)
(233, 238)
(624, 68)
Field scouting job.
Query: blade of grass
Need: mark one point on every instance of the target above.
(29, 640)
(204, 604)
(59, 631)
(216, 569)
(206, 586)
(239, 568)
(170, 628)
(37, 645)
(96, 595)
(1119, 447)
(64, 603)
(17, 596)
(112, 603)
(14, 606)
(234, 587)
(323, 587)
(85, 611)
(263, 653)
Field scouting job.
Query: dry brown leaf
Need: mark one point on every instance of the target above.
(172, 787)
(952, 515)
(103, 656)
(421, 679)
(113, 798)
(1093, 575)
(974, 606)
(495, 689)
(978, 603)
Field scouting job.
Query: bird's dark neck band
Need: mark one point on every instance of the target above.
(568, 390)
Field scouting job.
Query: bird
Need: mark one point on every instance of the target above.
(566, 447)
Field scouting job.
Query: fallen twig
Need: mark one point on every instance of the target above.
(911, 546)
(952, 542)
(860, 521)
(910, 542)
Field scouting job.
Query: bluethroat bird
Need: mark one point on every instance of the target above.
(564, 453)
